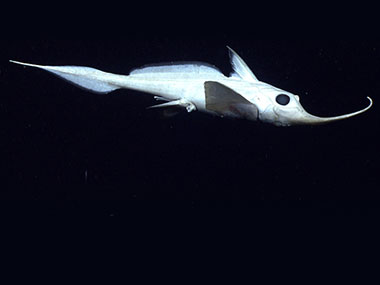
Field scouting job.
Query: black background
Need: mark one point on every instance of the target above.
(66, 152)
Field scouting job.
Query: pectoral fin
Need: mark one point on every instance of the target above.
(226, 102)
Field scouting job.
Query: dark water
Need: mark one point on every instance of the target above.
(67, 152)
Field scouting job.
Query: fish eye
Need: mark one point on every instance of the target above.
(283, 99)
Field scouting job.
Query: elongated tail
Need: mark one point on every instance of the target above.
(88, 78)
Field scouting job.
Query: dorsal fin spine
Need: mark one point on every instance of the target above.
(240, 67)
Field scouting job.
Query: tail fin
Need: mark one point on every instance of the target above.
(88, 78)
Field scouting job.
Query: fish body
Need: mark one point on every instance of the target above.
(202, 87)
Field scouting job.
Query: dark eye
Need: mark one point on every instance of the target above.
(283, 99)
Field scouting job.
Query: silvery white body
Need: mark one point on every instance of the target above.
(204, 88)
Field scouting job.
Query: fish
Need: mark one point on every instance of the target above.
(198, 86)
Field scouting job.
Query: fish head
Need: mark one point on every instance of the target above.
(282, 108)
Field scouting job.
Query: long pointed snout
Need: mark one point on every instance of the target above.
(308, 119)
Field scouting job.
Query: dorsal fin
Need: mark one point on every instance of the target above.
(177, 67)
(240, 67)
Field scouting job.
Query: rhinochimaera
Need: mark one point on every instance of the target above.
(199, 86)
